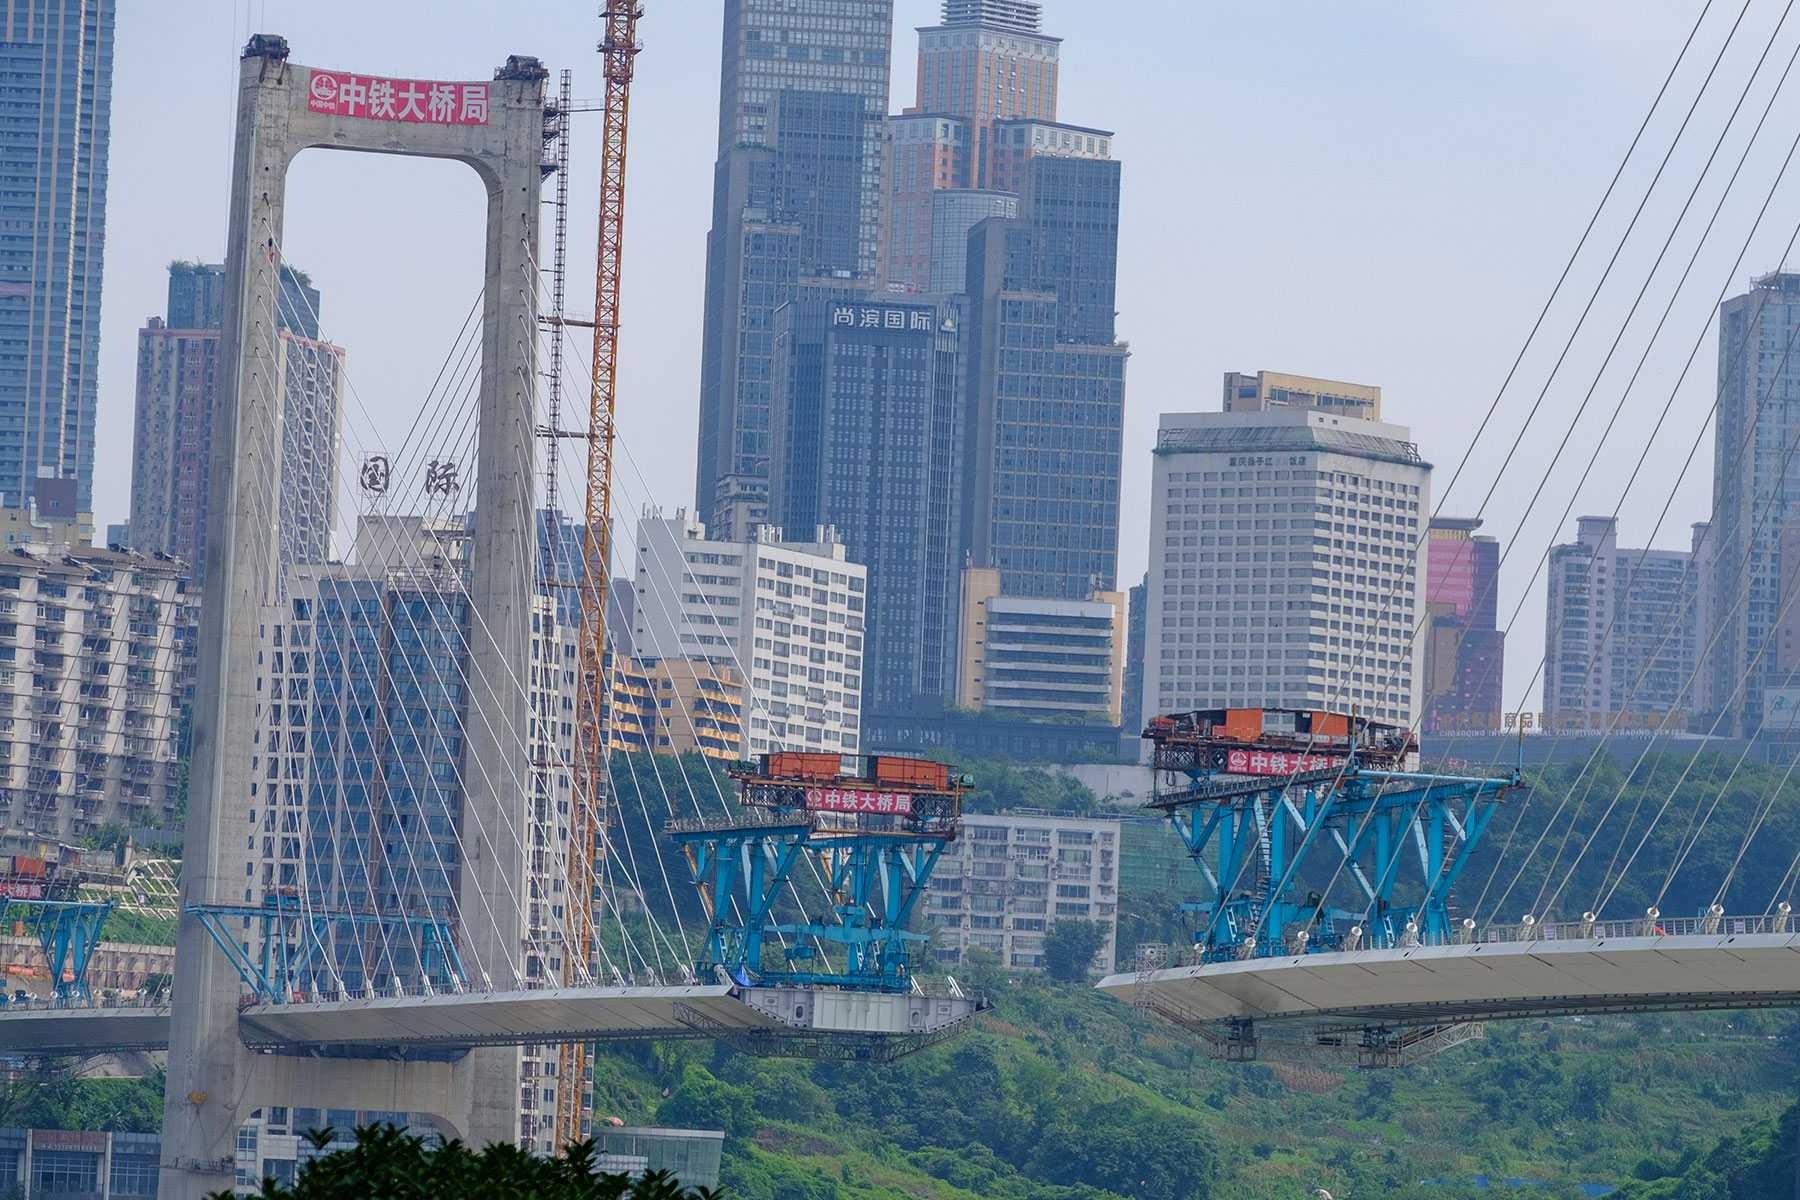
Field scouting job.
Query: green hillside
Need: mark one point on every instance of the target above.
(1062, 1093)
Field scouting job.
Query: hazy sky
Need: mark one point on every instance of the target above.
(1379, 193)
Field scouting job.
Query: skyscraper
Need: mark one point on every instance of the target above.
(796, 206)
(1464, 646)
(1756, 492)
(986, 107)
(1283, 565)
(56, 72)
(1044, 394)
(1619, 630)
(176, 392)
(866, 440)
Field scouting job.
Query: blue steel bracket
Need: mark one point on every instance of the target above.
(279, 971)
(67, 931)
(1259, 841)
(875, 879)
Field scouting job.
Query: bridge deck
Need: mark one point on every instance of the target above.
(495, 1018)
(1484, 981)
(401, 1023)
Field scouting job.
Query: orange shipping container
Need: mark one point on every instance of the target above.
(1326, 724)
(917, 772)
(1244, 724)
(28, 866)
(794, 765)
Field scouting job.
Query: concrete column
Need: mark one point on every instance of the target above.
(214, 1082)
(502, 576)
(209, 1069)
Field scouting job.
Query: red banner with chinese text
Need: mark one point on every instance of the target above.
(846, 800)
(419, 101)
(1268, 762)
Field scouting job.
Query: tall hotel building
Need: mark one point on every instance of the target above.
(56, 71)
(796, 211)
(1284, 564)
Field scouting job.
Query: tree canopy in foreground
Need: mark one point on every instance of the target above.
(387, 1163)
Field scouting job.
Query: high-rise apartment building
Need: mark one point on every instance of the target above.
(363, 765)
(1006, 880)
(789, 615)
(177, 390)
(796, 207)
(1044, 393)
(1027, 656)
(1756, 492)
(1464, 646)
(867, 441)
(88, 666)
(1284, 565)
(56, 70)
(1620, 634)
(676, 706)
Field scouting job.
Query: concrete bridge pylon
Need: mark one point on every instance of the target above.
(496, 127)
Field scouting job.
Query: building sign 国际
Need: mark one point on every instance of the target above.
(418, 101)
(860, 317)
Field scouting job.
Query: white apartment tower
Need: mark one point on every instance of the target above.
(1007, 879)
(788, 614)
(1285, 564)
(88, 657)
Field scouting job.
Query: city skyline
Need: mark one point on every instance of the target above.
(1543, 59)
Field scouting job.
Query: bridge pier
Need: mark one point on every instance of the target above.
(205, 1161)
(214, 1081)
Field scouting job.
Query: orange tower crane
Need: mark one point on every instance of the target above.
(618, 50)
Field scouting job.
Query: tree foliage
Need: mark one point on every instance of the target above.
(1757, 1164)
(1069, 948)
(391, 1164)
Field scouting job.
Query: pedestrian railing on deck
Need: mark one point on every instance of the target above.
(1589, 929)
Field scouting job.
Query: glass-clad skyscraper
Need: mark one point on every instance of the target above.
(866, 441)
(56, 77)
(796, 208)
(1045, 386)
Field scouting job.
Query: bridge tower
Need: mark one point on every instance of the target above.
(496, 127)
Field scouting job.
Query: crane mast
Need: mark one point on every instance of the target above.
(618, 50)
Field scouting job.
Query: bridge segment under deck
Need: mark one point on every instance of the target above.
(1386, 1006)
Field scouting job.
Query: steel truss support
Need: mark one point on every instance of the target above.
(875, 879)
(1402, 839)
(289, 956)
(68, 932)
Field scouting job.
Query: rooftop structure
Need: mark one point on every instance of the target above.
(1270, 391)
